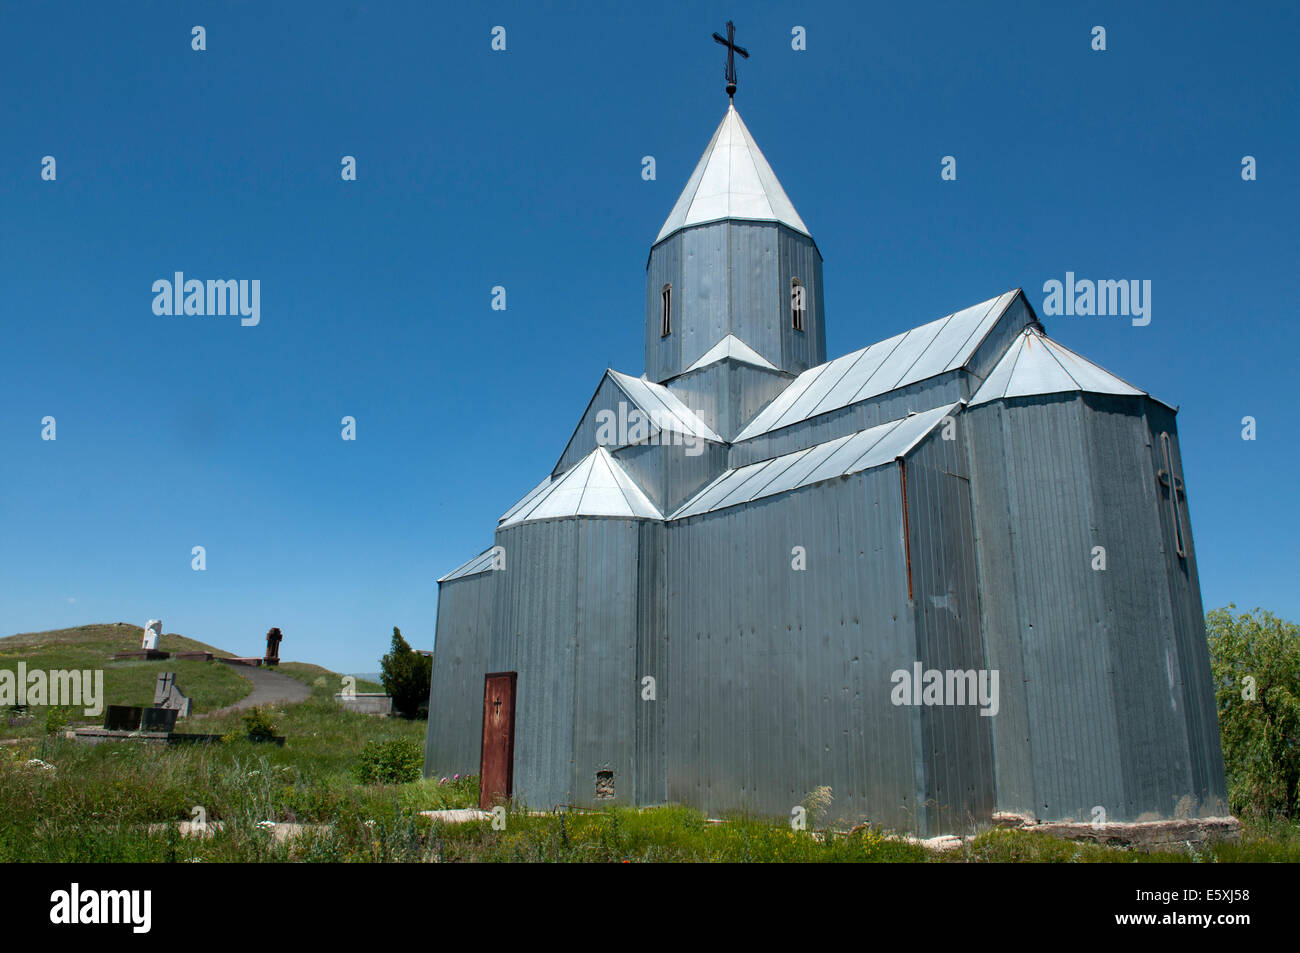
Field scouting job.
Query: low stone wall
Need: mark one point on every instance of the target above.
(94, 736)
(366, 703)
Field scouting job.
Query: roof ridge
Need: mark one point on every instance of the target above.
(1051, 353)
(1020, 340)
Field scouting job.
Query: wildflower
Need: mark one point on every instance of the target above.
(443, 781)
(456, 778)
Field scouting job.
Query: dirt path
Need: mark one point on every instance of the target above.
(269, 688)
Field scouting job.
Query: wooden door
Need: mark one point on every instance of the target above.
(497, 764)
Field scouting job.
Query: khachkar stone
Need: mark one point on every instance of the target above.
(167, 695)
(273, 638)
(152, 634)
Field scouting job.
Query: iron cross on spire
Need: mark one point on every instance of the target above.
(732, 49)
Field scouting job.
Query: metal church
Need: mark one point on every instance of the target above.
(754, 572)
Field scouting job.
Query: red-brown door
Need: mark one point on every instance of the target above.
(497, 766)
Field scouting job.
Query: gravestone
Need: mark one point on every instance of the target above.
(158, 719)
(122, 718)
(152, 633)
(167, 695)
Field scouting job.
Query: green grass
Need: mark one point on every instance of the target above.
(120, 802)
(97, 803)
(333, 682)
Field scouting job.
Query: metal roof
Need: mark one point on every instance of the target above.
(1035, 364)
(528, 498)
(732, 180)
(664, 408)
(596, 486)
(931, 349)
(480, 563)
(734, 348)
(863, 450)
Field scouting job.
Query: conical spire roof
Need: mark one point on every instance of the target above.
(596, 486)
(732, 180)
(1035, 364)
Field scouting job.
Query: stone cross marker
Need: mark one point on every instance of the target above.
(167, 695)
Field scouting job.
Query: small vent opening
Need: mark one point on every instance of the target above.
(604, 784)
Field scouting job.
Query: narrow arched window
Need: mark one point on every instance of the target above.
(798, 307)
(666, 316)
(1172, 480)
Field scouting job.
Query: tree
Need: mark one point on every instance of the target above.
(406, 675)
(1255, 658)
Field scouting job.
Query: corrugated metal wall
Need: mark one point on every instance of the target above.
(566, 615)
(652, 603)
(754, 289)
(608, 396)
(704, 289)
(733, 277)
(956, 739)
(1199, 706)
(800, 259)
(663, 355)
(669, 474)
(1092, 713)
(777, 681)
(453, 739)
(728, 393)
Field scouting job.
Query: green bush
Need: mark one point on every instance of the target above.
(258, 725)
(390, 762)
(1255, 657)
(406, 674)
(57, 718)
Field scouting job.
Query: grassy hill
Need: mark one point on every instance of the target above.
(61, 800)
(209, 685)
(129, 682)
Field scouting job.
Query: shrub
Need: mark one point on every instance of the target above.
(56, 718)
(1255, 657)
(406, 675)
(390, 762)
(258, 725)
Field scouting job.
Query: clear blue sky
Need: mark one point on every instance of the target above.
(522, 169)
